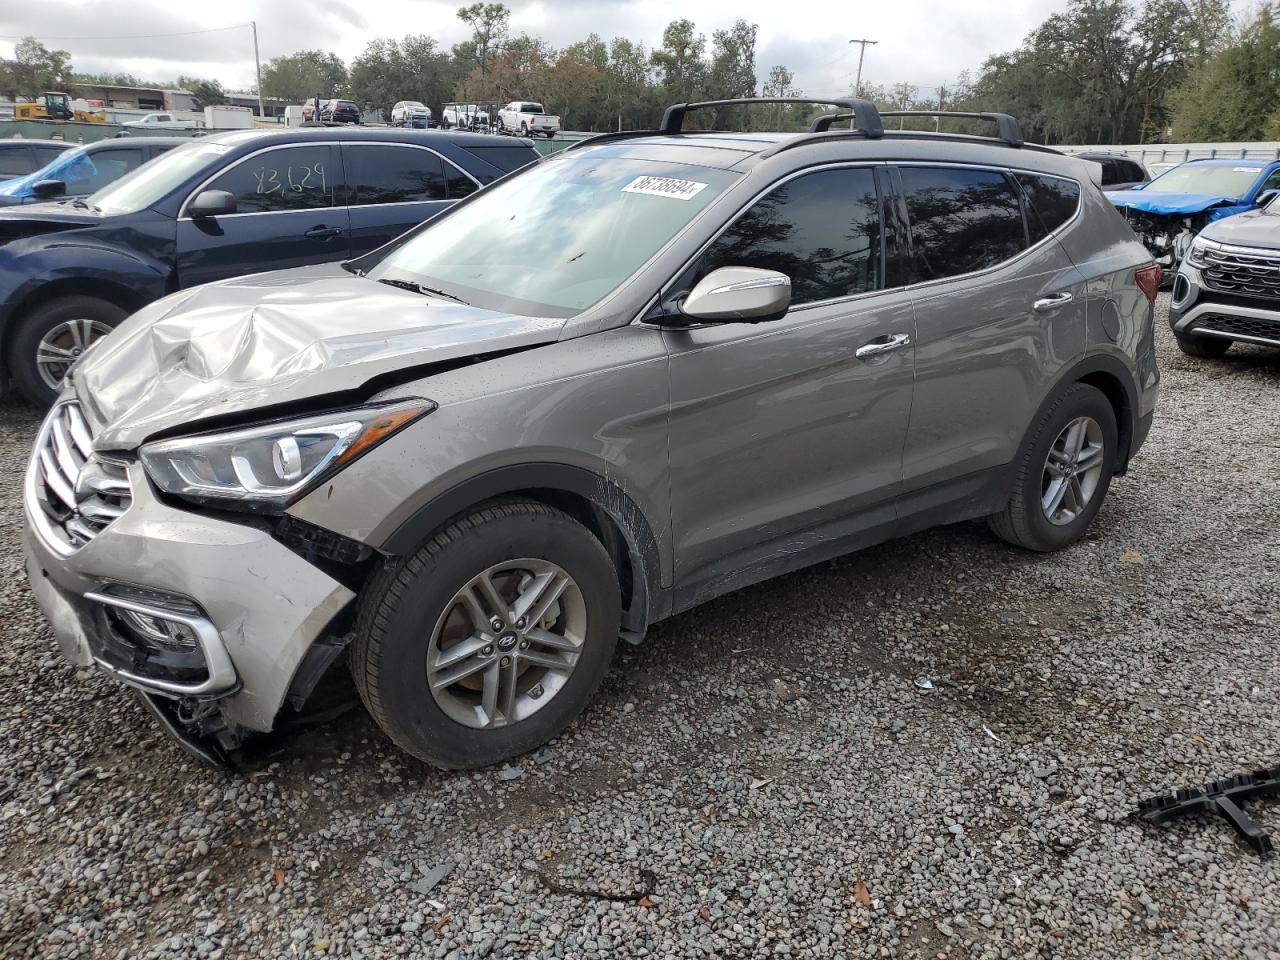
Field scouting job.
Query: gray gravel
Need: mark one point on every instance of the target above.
(765, 771)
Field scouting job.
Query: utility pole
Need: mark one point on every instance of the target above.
(937, 121)
(857, 84)
(257, 62)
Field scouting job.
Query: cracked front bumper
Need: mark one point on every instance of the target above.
(254, 606)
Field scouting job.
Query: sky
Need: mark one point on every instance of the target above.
(923, 43)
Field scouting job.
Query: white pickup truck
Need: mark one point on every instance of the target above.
(526, 118)
(163, 121)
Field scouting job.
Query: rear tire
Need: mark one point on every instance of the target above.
(1207, 348)
(1056, 493)
(429, 618)
(524, 129)
(52, 336)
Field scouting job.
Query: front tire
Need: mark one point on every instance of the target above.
(52, 336)
(1063, 472)
(490, 639)
(1207, 348)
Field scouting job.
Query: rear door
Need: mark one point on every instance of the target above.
(391, 187)
(286, 216)
(1000, 313)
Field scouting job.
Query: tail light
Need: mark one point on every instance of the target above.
(1148, 280)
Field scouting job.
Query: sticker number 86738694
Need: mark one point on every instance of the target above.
(293, 179)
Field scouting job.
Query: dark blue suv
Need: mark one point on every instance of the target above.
(218, 207)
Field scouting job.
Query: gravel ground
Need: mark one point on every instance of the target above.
(762, 777)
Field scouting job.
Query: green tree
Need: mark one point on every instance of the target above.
(489, 23)
(413, 68)
(34, 69)
(206, 93)
(1235, 94)
(681, 62)
(307, 73)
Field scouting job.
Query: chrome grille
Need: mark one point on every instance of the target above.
(1247, 271)
(79, 491)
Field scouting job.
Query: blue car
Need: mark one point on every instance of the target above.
(1169, 211)
(219, 207)
(81, 171)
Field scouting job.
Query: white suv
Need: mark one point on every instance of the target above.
(411, 113)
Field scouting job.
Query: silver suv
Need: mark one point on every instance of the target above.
(653, 369)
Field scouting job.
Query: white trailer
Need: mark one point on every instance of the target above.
(228, 118)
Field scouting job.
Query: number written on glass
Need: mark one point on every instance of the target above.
(293, 179)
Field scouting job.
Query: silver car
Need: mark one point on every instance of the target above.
(653, 369)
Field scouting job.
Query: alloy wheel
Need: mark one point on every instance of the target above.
(62, 346)
(1072, 471)
(506, 643)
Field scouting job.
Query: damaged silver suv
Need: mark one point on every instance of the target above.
(653, 369)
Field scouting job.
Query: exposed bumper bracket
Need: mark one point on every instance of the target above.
(1222, 797)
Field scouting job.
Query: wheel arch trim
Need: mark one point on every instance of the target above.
(1116, 382)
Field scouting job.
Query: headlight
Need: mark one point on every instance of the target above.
(263, 469)
(1196, 253)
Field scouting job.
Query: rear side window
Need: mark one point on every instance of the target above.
(505, 159)
(821, 229)
(1051, 202)
(391, 174)
(1133, 172)
(961, 220)
(291, 178)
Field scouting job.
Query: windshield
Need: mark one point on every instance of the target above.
(153, 181)
(1220, 181)
(70, 167)
(558, 237)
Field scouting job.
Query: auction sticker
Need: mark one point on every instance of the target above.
(1246, 169)
(665, 187)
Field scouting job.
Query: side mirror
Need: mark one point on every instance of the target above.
(211, 203)
(739, 294)
(1265, 197)
(44, 189)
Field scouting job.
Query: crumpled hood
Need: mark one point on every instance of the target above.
(1171, 204)
(273, 338)
(1257, 228)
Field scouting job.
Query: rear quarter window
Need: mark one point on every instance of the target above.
(506, 158)
(1051, 202)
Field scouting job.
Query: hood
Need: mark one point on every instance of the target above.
(1256, 228)
(33, 219)
(1170, 204)
(275, 338)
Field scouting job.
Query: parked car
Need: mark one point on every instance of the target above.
(411, 113)
(19, 157)
(1167, 212)
(163, 121)
(1228, 285)
(84, 170)
(339, 111)
(227, 204)
(1118, 171)
(468, 116)
(631, 378)
(526, 117)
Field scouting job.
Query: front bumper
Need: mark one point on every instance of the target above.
(254, 605)
(1198, 311)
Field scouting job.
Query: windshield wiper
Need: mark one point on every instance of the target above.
(415, 287)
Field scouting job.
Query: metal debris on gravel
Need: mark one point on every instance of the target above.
(891, 824)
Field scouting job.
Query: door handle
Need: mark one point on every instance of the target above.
(322, 232)
(1052, 302)
(890, 341)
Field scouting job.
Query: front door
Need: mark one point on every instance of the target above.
(1000, 313)
(286, 216)
(783, 438)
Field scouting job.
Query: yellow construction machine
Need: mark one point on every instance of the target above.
(58, 106)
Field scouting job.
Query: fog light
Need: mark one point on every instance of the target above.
(167, 633)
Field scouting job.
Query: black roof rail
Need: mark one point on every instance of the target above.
(1007, 128)
(863, 112)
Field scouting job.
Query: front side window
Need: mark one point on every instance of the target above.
(961, 220)
(100, 169)
(393, 174)
(291, 178)
(821, 229)
(557, 238)
(1051, 202)
(14, 163)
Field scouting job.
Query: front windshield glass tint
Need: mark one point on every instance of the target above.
(559, 237)
(153, 181)
(1215, 179)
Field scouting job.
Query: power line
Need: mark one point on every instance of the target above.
(132, 36)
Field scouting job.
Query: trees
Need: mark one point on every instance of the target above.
(1235, 94)
(681, 62)
(489, 23)
(413, 68)
(206, 93)
(307, 73)
(34, 69)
